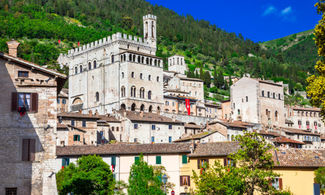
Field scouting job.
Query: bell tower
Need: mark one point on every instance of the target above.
(150, 29)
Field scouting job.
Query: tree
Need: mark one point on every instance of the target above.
(316, 87)
(207, 78)
(320, 178)
(215, 77)
(91, 175)
(253, 173)
(142, 179)
(220, 80)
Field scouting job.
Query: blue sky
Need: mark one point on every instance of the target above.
(258, 20)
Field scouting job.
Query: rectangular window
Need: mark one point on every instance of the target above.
(170, 139)
(158, 160)
(185, 180)
(28, 150)
(58, 101)
(277, 183)
(76, 137)
(113, 160)
(170, 126)
(72, 122)
(135, 126)
(153, 127)
(152, 139)
(23, 102)
(65, 162)
(11, 191)
(229, 162)
(135, 140)
(84, 123)
(64, 101)
(184, 159)
(201, 163)
(23, 74)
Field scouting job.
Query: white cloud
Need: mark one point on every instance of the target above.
(269, 10)
(286, 11)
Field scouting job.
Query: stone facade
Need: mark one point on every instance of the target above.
(62, 101)
(27, 138)
(177, 64)
(258, 101)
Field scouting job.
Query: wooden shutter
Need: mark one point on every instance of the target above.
(198, 164)
(225, 162)
(280, 183)
(189, 180)
(181, 180)
(14, 101)
(32, 149)
(34, 102)
(25, 150)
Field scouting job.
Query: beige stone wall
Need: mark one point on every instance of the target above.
(28, 177)
(226, 110)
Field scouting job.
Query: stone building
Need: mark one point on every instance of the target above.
(118, 72)
(305, 119)
(177, 64)
(62, 100)
(258, 101)
(77, 129)
(28, 114)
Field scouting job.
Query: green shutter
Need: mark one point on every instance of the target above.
(184, 159)
(136, 159)
(114, 160)
(158, 160)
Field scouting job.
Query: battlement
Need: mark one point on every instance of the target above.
(150, 16)
(108, 40)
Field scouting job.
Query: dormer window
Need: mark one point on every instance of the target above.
(24, 74)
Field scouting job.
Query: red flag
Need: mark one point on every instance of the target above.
(78, 43)
(188, 106)
(59, 41)
(113, 168)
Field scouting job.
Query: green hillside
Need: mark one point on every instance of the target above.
(39, 24)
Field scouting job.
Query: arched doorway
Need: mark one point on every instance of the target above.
(123, 107)
(150, 108)
(133, 107)
(142, 108)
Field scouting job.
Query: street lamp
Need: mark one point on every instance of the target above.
(164, 180)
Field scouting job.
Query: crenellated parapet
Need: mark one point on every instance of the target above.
(107, 41)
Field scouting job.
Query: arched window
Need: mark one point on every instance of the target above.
(141, 76)
(80, 68)
(121, 58)
(133, 107)
(157, 79)
(142, 60)
(155, 62)
(149, 78)
(123, 91)
(150, 61)
(132, 74)
(147, 60)
(95, 64)
(123, 107)
(142, 107)
(133, 58)
(112, 58)
(130, 57)
(76, 70)
(133, 91)
(158, 108)
(139, 59)
(89, 66)
(142, 92)
(262, 93)
(97, 97)
(150, 108)
(149, 95)
(122, 75)
(152, 29)
(246, 98)
(166, 103)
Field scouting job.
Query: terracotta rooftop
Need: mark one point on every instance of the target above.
(238, 124)
(61, 126)
(286, 140)
(299, 158)
(190, 79)
(108, 118)
(148, 117)
(64, 93)
(275, 134)
(215, 149)
(196, 136)
(32, 65)
(176, 91)
(77, 115)
(299, 131)
(124, 149)
(212, 105)
(193, 126)
(306, 109)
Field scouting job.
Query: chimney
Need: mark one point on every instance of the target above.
(13, 47)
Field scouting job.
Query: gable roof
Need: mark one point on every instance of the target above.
(196, 136)
(77, 115)
(147, 117)
(32, 65)
(215, 149)
(299, 131)
(285, 140)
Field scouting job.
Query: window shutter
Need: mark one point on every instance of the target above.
(25, 150)
(180, 180)
(198, 164)
(225, 162)
(280, 183)
(14, 102)
(34, 102)
(189, 180)
(32, 149)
